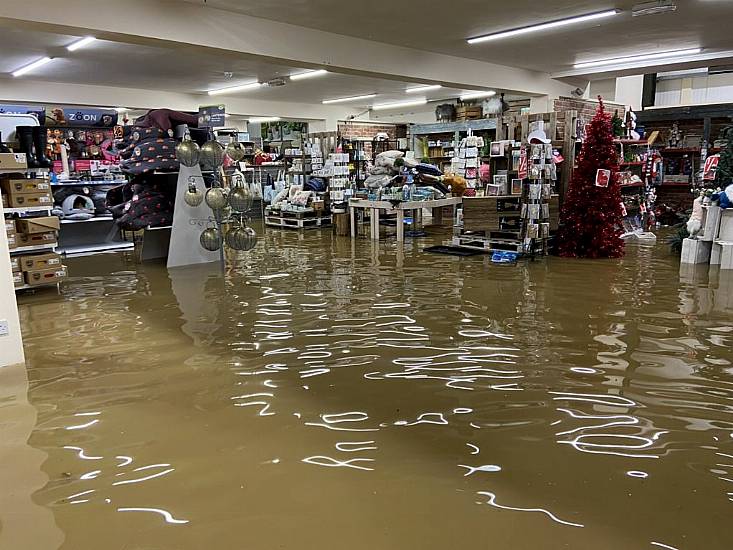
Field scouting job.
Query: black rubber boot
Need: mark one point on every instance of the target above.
(40, 140)
(24, 135)
(4, 148)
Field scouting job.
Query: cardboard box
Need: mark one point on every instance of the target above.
(18, 279)
(41, 224)
(24, 185)
(35, 239)
(15, 264)
(36, 262)
(30, 200)
(9, 226)
(45, 276)
(12, 241)
(9, 161)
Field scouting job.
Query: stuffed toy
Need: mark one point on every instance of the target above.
(694, 224)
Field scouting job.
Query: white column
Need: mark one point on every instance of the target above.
(11, 345)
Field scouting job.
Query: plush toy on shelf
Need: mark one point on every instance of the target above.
(694, 224)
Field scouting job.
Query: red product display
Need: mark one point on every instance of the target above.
(591, 215)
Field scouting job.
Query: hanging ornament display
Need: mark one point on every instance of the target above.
(235, 151)
(251, 240)
(193, 196)
(212, 155)
(216, 198)
(187, 152)
(210, 239)
(240, 199)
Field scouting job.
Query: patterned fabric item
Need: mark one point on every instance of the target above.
(149, 207)
(150, 155)
(469, 192)
(135, 135)
(166, 119)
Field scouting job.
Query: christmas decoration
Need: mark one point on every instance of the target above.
(592, 215)
(211, 156)
(724, 171)
(210, 239)
(618, 125)
(193, 196)
(216, 198)
(187, 152)
(235, 151)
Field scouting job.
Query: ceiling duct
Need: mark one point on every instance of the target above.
(720, 69)
(653, 8)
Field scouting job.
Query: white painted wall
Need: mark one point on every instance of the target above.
(24, 91)
(629, 90)
(11, 346)
(606, 88)
(694, 90)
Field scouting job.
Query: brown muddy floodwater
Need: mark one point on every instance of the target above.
(329, 395)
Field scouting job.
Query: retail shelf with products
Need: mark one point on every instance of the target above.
(25, 211)
(90, 220)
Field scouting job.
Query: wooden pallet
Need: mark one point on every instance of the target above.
(295, 222)
(488, 245)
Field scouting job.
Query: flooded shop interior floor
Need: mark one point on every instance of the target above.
(337, 395)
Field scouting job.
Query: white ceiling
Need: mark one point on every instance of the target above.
(145, 67)
(444, 26)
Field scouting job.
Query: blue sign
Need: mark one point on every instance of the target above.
(213, 116)
(81, 117)
(38, 110)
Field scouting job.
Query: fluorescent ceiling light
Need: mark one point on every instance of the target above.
(543, 26)
(476, 95)
(309, 74)
(399, 104)
(121, 109)
(636, 58)
(260, 119)
(80, 43)
(233, 89)
(427, 88)
(345, 99)
(33, 66)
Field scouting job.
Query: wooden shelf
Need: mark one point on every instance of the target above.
(32, 248)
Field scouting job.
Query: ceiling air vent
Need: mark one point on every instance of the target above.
(276, 82)
(653, 8)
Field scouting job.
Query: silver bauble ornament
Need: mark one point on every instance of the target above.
(237, 238)
(240, 199)
(216, 198)
(235, 151)
(212, 155)
(210, 239)
(193, 196)
(187, 152)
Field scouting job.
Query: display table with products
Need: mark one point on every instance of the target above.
(399, 208)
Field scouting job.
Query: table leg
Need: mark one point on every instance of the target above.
(400, 225)
(352, 215)
(375, 222)
(438, 216)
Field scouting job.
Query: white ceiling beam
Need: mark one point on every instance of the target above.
(184, 27)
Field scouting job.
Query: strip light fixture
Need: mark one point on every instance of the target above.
(476, 95)
(308, 74)
(636, 58)
(33, 66)
(261, 119)
(543, 26)
(399, 104)
(80, 43)
(233, 89)
(426, 88)
(347, 99)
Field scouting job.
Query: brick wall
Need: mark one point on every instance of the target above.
(586, 109)
(361, 130)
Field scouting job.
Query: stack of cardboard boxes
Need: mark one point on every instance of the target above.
(26, 193)
(38, 268)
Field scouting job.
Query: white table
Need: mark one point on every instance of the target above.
(376, 207)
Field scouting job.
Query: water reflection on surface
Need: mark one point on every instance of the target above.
(330, 394)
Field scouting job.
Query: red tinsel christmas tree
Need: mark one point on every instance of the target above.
(591, 215)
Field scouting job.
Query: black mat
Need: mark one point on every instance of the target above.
(451, 250)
